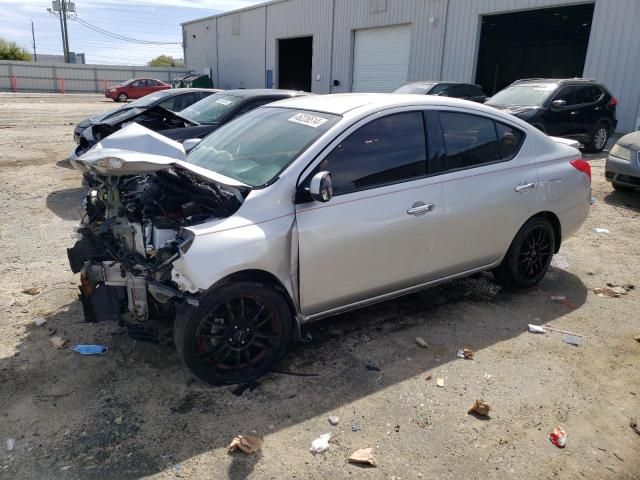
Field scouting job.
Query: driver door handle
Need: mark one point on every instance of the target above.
(526, 187)
(420, 208)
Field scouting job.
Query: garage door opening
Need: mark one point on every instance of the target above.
(294, 63)
(549, 42)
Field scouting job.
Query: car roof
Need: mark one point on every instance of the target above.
(257, 92)
(554, 81)
(341, 103)
(437, 82)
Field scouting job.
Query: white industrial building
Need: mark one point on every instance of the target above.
(335, 46)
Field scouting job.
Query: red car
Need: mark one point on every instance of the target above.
(135, 88)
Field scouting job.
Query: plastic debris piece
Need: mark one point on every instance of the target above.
(372, 368)
(536, 328)
(465, 353)
(637, 338)
(558, 437)
(633, 423)
(363, 456)
(66, 467)
(40, 321)
(429, 377)
(320, 444)
(557, 298)
(601, 230)
(571, 339)
(333, 420)
(355, 427)
(422, 342)
(31, 291)
(90, 349)
(10, 443)
(440, 382)
(59, 342)
(609, 292)
(246, 444)
(480, 407)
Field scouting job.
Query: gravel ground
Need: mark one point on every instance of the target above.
(137, 412)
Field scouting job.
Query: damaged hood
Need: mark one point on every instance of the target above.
(136, 150)
(115, 118)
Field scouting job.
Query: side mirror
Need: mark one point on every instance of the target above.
(321, 187)
(559, 103)
(190, 143)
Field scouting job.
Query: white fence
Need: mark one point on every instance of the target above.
(71, 78)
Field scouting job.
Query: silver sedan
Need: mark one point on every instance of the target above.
(622, 168)
(313, 206)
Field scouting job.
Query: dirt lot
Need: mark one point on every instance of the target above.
(137, 412)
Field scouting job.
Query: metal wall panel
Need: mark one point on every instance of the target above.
(241, 57)
(299, 18)
(199, 40)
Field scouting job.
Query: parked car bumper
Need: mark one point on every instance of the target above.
(622, 172)
(111, 95)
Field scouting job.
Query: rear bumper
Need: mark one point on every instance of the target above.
(623, 172)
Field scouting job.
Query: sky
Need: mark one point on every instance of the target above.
(150, 20)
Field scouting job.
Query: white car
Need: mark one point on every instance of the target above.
(314, 206)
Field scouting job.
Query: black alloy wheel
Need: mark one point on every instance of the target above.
(529, 255)
(238, 333)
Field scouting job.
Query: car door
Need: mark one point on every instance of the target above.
(379, 232)
(136, 89)
(489, 189)
(585, 107)
(561, 121)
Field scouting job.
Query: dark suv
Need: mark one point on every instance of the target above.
(466, 91)
(576, 108)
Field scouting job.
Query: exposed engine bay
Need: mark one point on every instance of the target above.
(132, 231)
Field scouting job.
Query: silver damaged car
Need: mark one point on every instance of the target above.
(313, 206)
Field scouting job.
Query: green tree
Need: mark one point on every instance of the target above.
(11, 51)
(166, 61)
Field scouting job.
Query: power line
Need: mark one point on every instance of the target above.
(118, 36)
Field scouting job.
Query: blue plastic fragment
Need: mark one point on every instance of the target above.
(90, 349)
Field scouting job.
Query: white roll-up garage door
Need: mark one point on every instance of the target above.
(381, 58)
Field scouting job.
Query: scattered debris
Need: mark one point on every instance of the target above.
(10, 443)
(465, 353)
(440, 382)
(558, 437)
(371, 367)
(422, 342)
(355, 427)
(363, 456)
(31, 291)
(617, 455)
(610, 292)
(40, 321)
(320, 444)
(633, 423)
(571, 339)
(557, 298)
(333, 420)
(59, 342)
(480, 407)
(553, 329)
(637, 338)
(90, 349)
(487, 376)
(51, 332)
(429, 377)
(601, 230)
(536, 328)
(118, 420)
(245, 443)
(66, 467)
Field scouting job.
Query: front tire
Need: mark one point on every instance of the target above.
(237, 333)
(123, 97)
(599, 139)
(528, 257)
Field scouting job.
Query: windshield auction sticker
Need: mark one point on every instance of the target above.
(224, 102)
(308, 120)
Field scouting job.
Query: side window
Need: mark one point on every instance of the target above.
(567, 94)
(597, 93)
(459, 91)
(137, 84)
(469, 140)
(583, 95)
(386, 150)
(509, 141)
(440, 89)
(476, 91)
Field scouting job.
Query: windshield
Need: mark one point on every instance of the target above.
(148, 100)
(127, 82)
(257, 146)
(212, 109)
(522, 95)
(421, 88)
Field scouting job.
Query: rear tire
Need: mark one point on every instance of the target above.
(237, 334)
(528, 257)
(599, 138)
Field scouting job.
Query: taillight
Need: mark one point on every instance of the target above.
(614, 101)
(583, 166)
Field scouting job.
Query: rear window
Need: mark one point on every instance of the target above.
(419, 88)
(523, 95)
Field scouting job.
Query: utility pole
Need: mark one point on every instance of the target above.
(33, 36)
(61, 8)
(63, 4)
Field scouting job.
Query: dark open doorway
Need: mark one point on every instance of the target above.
(549, 42)
(294, 63)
